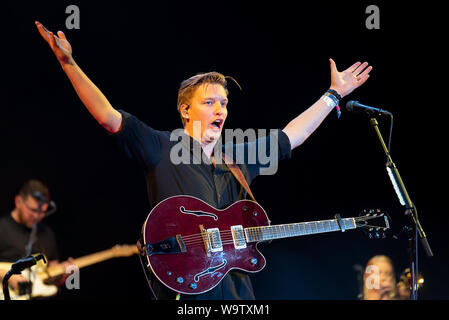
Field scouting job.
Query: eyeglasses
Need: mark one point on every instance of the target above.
(33, 209)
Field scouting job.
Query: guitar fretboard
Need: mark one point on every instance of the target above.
(296, 229)
(94, 258)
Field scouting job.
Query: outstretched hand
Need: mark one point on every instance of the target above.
(58, 44)
(346, 81)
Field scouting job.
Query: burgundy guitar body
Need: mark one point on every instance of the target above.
(191, 246)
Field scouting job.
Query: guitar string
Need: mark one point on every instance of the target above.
(201, 241)
(199, 234)
(255, 236)
(231, 241)
(200, 237)
(251, 233)
(282, 229)
(256, 232)
(197, 245)
(276, 228)
(223, 234)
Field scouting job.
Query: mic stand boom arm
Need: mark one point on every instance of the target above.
(411, 210)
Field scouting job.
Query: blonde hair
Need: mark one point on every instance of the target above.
(189, 86)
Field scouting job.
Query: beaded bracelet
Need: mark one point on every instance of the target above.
(335, 93)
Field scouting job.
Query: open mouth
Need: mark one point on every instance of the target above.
(217, 123)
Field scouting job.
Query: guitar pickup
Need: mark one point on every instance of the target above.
(214, 238)
(238, 237)
(211, 240)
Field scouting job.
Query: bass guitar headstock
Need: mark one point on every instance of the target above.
(374, 222)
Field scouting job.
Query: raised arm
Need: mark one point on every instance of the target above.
(94, 100)
(300, 128)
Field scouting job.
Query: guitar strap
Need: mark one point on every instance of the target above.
(237, 174)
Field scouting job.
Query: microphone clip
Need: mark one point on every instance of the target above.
(27, 262)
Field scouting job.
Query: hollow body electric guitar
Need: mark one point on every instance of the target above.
(40, 274)
(190, 246)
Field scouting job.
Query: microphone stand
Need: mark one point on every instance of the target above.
(410, 211)
(33, 236)
(16, 268)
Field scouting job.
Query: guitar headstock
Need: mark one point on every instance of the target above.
(124, 250)
(375, 222)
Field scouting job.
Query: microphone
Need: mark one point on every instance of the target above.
(17, 267)
(26, 262)
(39, 196)
(42, 199)
(355, 106)
(53, 209)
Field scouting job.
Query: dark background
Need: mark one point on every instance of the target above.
(138, 53)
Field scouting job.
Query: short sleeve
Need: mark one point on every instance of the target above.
(138, 141)
(261, 156)
(285, 147)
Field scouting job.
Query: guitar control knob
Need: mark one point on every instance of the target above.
(253, 261)
(193, 285)
(180, 280)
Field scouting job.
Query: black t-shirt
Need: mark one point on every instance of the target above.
(154, 152)
(14, 238)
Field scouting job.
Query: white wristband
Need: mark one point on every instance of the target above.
(329, 101)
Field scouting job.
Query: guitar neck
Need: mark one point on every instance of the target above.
(296, 229)
(82, 262)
